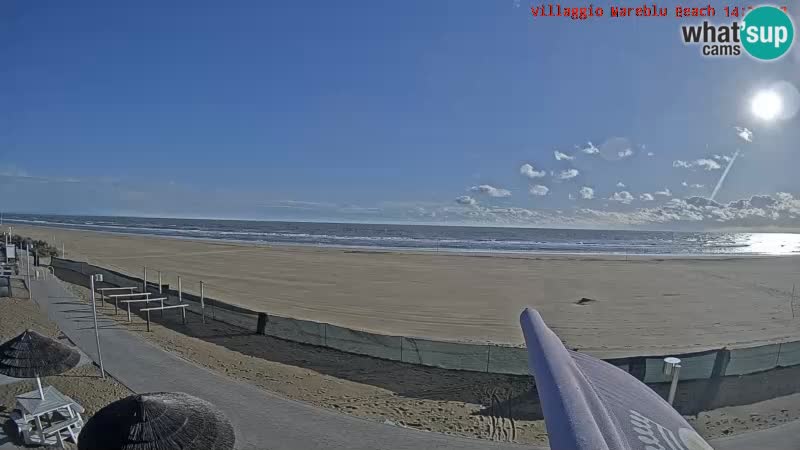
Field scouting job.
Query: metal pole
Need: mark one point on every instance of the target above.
(28, 267)
(159, 282)
(63, 251)
(39, 383)
(97, 332)
(180, 290)
(144, 281)
(674, 386)
(202, 303)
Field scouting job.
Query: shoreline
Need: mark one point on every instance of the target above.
(634, 305)
(532, 254)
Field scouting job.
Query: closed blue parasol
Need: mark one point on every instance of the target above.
(589, 404)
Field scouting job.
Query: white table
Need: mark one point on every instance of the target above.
(32, 408)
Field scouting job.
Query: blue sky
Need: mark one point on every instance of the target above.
(373, 111)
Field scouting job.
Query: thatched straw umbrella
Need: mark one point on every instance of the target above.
(158, 421)
(31, 355)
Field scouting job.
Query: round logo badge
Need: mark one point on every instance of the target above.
(767, 33)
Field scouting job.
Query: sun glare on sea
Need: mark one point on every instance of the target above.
(774, 243)
(767, 105)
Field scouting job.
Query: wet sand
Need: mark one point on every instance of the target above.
(644, 305)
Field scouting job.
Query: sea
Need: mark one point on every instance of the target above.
(434, 237)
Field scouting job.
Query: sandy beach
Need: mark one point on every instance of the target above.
(643, 305)
(471, 404)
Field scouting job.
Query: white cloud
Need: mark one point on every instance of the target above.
(744, 133)
(13, 171)
(466, 200)
(620, 184)
(622, 197)
(725, 158)
(650, 154)
(705, 163)
(571, 197)
(698, 186)
(590, 149)
(491, 191)
(666, 192)
(527, 170)
(539, 190)
(567, 174)
(646, 197)
(625, 153)
(760, 212)
(586, 192)
(299, 204)
(562, 156)
(684, 184)
(708, 164)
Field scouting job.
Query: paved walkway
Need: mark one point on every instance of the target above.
(261, 420)
(782, 437)
(266, 421)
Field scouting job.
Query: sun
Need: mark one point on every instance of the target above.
(767, 105)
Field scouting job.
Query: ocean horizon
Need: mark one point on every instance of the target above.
(432, 237)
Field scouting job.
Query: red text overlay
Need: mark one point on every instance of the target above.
(652, 10)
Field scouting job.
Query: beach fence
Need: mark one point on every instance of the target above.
(131, 287)
(708, 370)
